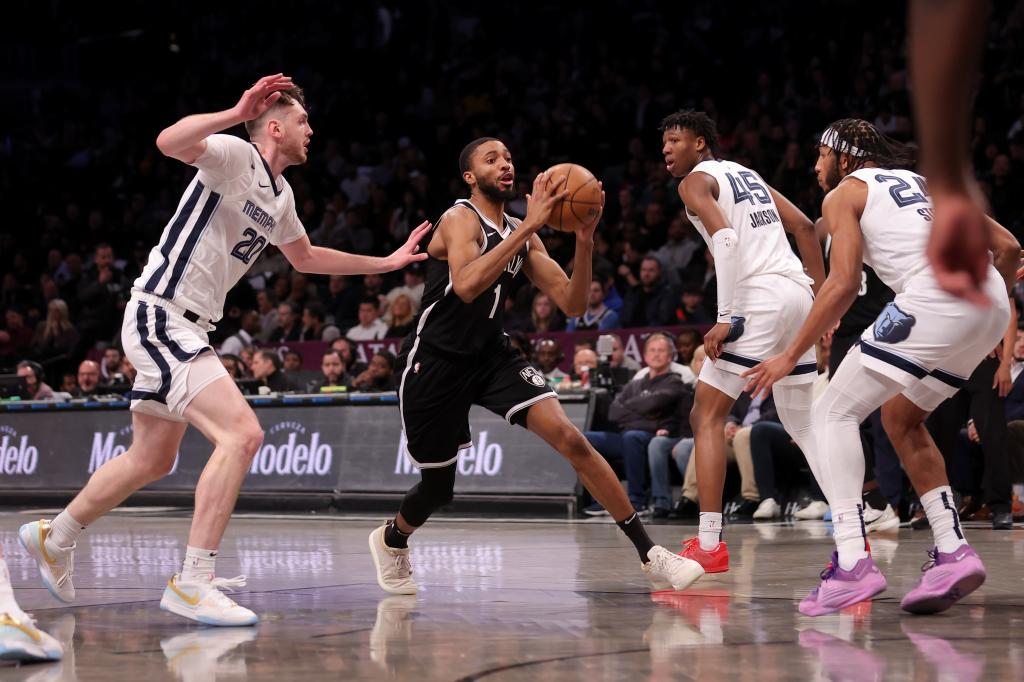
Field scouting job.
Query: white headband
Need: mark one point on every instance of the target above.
(830, 139)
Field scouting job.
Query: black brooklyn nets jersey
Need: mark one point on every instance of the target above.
(450, 326)
(871, 298)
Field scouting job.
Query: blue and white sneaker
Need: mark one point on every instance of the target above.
(203, 601)
(21, 640)
(56, 564)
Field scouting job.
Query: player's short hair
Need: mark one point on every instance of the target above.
(467, 152)
(864, 142)
(697, 122)
(288, 97)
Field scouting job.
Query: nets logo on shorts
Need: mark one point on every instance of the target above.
(893, 325)
(533, 376)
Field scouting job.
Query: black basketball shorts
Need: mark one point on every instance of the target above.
(435, 394)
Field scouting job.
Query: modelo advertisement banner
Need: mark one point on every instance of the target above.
(326, 448)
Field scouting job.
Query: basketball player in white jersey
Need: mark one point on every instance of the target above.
(763, 295)
(237, 203)
(919, 351)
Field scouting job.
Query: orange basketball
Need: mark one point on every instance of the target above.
(583, 204)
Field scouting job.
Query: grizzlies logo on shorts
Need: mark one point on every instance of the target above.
(735, 328)
(893, 325)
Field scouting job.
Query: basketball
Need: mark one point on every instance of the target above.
(583, 204)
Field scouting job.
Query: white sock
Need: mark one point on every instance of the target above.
(938, 506)
(7, 601)
(848, 521)
(64, 530)
(1018, 490)
(199, 564)
(710, 530)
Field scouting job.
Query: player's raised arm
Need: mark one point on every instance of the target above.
(317, 260)
(698, 191)
(472, 274)
(800, 226)
(186, 139)
(568, 293)
(841, 211)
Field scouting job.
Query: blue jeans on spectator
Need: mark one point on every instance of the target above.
(658, 452)
(630, 448)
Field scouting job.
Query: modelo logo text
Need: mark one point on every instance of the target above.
(17, 457)
(479, 459)
(301, 454)
(105, 447)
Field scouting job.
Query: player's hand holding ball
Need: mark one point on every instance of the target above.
(580, 209)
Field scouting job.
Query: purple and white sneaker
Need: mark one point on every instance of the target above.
(839, 588)
(947, 579)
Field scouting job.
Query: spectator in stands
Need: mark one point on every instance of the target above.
(619, 357)
(267, 309)
(681, 453)
(521, 342)
(288, 324)
(414, 277)
(268, 369)
(332, 368)
(88, 380)
(69, 383)
(370, 327)
(110, 366)
(687, 342)
(548, 356)
(597, 316)
(246, 355)
(379, 375)
(349, 355)
(314, 325)
(300, 291)
(651, 302)
(342, 300)
(102, 296)
(15, 337)
(584, 362)
(33, 373)
(292, 361)
(233, 364)
(403, 317)
(543, 316)
(55, 335)
(644, 407)
(683, 241)
(774, 451)
(691, 309)
(246, 335)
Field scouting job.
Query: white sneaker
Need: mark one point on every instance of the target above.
(877, 521)
(815, 511)
(21, 640)
(394, 572)
(768, 509)
(671, 571)
(205, 653)
(56, 564)
(203, 601)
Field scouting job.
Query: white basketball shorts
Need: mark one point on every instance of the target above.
(770, 310)
(172, 356)
(930, 341)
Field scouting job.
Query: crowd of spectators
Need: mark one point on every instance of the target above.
(91, 193)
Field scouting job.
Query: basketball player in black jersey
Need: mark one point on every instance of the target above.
(459, 355)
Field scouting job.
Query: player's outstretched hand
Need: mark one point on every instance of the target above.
(409, 251)
(262, 95)
(715, 339)
(542, 201)
(764, 375)
(958, 247)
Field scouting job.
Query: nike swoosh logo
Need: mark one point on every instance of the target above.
(191, 601)
(264, 186)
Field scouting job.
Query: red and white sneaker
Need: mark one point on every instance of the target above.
(715, 561)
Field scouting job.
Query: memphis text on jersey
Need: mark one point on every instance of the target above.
(259, 216)
(765, 217)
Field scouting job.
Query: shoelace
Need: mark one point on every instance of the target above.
(228, 584)
(829, 571)
(69, 572)
(933, 558)
(402, 565)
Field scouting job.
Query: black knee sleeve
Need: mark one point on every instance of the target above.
(434, 491)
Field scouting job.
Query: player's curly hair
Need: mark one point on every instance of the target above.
(697, 122)
(864, 143)
(288, 97)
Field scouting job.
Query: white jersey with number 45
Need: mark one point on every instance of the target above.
(231, 210)
(753, 215)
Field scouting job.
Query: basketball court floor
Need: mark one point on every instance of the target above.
(510, 600)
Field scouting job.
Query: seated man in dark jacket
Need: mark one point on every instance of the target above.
(639, 411)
